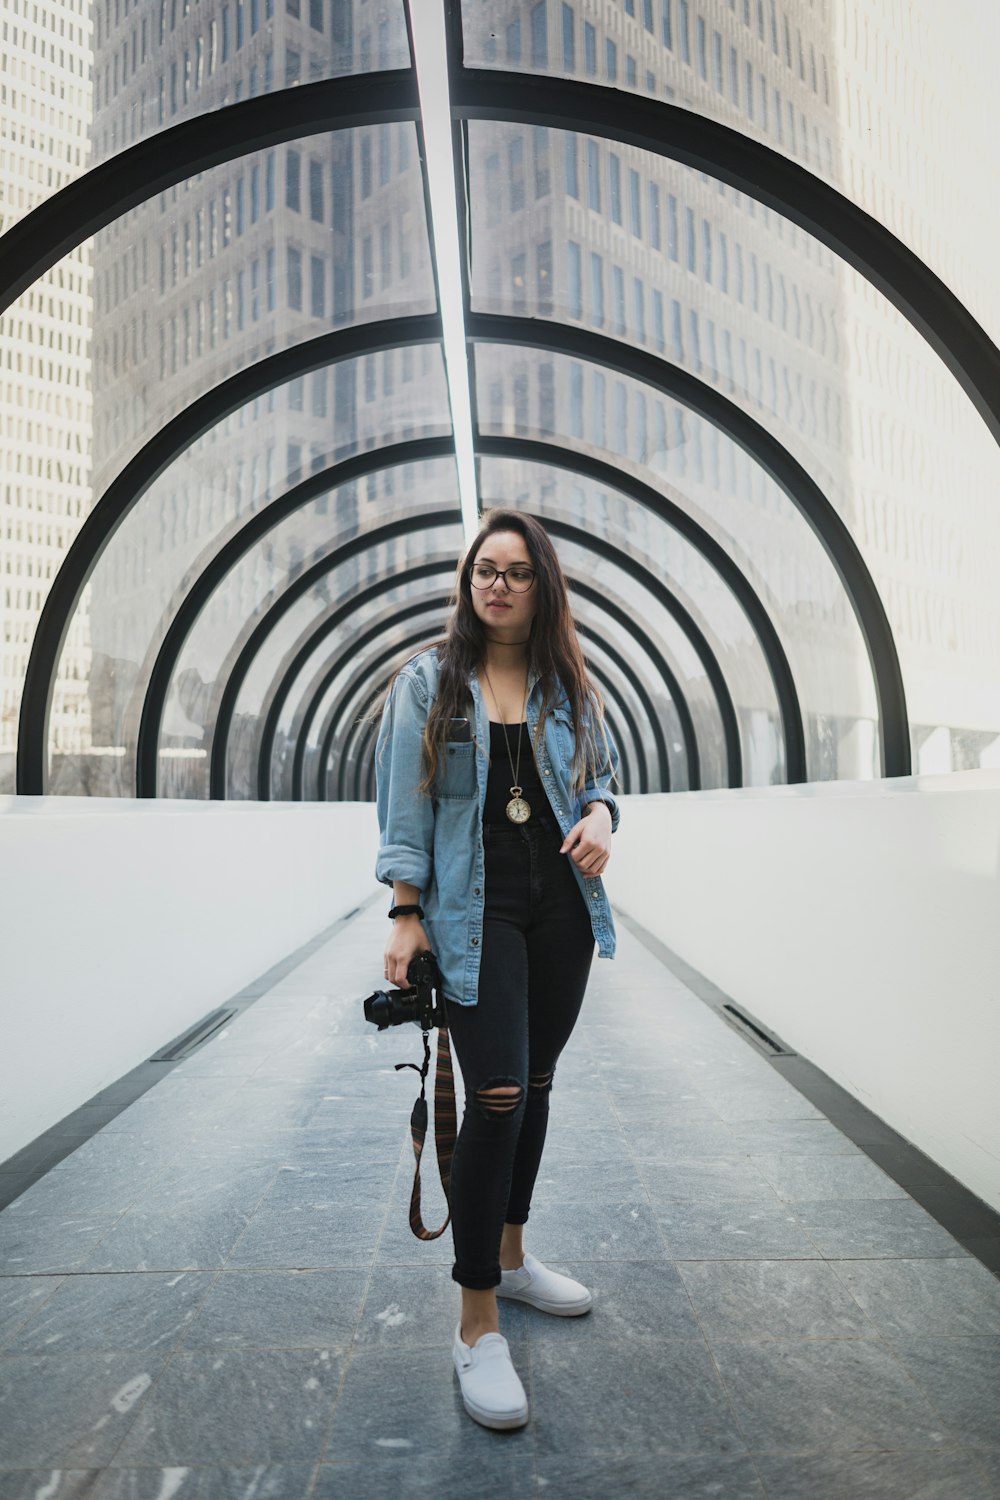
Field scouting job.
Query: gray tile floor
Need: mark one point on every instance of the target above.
(218, 1297)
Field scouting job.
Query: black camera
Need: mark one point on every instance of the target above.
(392, 1007)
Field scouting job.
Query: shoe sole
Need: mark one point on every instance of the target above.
(558, 1309)
(492, 1419)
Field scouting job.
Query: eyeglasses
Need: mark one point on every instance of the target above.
(518, 579)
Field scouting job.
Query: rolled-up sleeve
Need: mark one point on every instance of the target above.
(596, 788)
(405, 814)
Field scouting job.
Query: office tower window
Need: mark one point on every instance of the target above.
(727, 358)
(659, 336)
(576, 400)
(635, 203)
(294, 278)
(384, 154)
(717, 61)
(734, 76)
(754, 283)
(650, 83)
(518, 281)
(748, 91)
(620, 443)
(672, 238)
(713, 368)
(521, 407)
(702, 36)
(405, 238)
(240, 24)
(774, 28)
(367, 266)
(269, 174)
(572, 174)
(653, 215)
(596, 290)
(668, 24)
(293, 181)
(647, 15)
(254, 17)
(689, 239)
(539, 36)
(254, 193)
(639, 309)
(546, 399)
(590, 49)
(294, 8)
(515, 173)
(631, 75)
(294, 463)
(293, 67)
(388, 372)
(173, 88)
(684, 28)
(297, 394)
(615, 187)
(676, 331)
(315, 190)
(371, 389)
(599, 407)
(543, 170)
(494, 202)
(611, 60)
(593, 177)
(706, 250)
(514, 42)
(316, 14)
(630, 7)
(271, 279)
(568, 39)
(241, 215)
(641, 442)
(574, 279)
(617, 300)
(543, 267)
(268, 72)
(723, 263)
(227, 216)
(385, 255)
(367, 182)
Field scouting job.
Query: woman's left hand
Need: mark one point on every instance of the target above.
(588, 842)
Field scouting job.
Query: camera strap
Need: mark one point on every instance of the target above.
(445, 1121)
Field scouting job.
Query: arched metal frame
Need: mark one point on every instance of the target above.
(329, 624)
(406, 523)
(367, 731)
(554, 455)
(335, 476)
(635, 569)
(131, 177)
(335, 715)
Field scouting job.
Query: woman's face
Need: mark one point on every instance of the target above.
(506, 613)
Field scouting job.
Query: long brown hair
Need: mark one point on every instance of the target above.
(553, 650)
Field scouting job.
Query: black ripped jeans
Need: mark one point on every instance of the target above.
(537, 949)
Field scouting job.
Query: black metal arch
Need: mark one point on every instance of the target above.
(135, 479)
(257, 526)
(649, 581)
(337, 710)
(556, 456)
(359, 728)
(406, 523)
(790, 476)
(331, 622)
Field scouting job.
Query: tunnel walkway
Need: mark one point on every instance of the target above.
(218, 1296)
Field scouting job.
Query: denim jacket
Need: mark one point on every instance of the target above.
(435, 842)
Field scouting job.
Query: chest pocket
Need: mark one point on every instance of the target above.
(456, 777)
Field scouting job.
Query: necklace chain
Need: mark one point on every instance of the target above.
(518, 810)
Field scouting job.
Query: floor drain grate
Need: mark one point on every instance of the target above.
(756, 1033)
(184, 1045)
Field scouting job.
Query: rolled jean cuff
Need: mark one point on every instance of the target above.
(474, 1283)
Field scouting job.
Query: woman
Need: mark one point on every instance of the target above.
(493, 765)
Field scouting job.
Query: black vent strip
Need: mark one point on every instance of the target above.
(973, 1223)
(39, 1156)
(195, 1036)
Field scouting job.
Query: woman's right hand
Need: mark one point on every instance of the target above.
(408, 939)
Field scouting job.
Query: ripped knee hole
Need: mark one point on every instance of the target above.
(500, 1100)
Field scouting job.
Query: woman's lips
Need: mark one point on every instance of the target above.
(497, 605)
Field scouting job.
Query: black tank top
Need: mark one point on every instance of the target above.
(501, 777)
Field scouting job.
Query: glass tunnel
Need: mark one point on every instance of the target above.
(273, 334)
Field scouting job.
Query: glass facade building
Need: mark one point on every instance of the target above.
(728, 308)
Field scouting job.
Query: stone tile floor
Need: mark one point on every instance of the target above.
(218, 1297)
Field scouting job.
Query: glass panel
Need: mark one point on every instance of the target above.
(273, 661)
(848, 93)
(760, 312)
(681, 570)
(178, 526)
(124, 73)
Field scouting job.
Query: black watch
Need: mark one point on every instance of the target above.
(411, 910)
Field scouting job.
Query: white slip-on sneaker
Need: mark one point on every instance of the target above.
(491, 1388)
(547, 1290)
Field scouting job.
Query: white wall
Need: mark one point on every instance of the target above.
(860, 921)
(122, 923)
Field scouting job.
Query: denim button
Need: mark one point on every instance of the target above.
(477, 891)
(475, 942)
